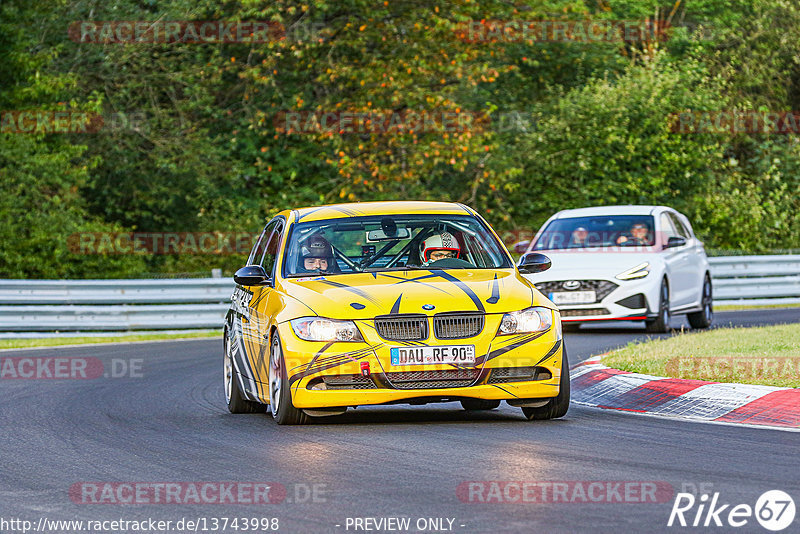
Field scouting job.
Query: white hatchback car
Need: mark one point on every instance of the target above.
(631, 263)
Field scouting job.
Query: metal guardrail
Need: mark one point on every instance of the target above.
(113, 305)
(172, 304)
(756, 280)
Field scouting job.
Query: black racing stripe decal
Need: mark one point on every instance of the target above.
(342, 358)
(417, 280)
(396, 305)
(325, 347)
(502, 350)
(463, 287)
(495, 292)
(334, 208)
(503, 389)
(552, 351)
(361, 293)
(300, 217)
(317, 369)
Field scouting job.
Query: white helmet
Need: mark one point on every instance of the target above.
(442, 241)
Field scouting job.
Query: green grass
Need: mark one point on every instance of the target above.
(768, 355)
(121, 338)
(737, 307)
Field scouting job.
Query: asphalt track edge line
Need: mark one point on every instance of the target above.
(684, 418)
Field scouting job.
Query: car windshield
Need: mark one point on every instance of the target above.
(611, 231)
(390, 243)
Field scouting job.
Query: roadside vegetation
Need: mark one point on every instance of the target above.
(584, 123)
(768, 355)
(116, 338)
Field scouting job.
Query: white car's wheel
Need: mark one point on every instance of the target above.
(704, 317)
(660, 325)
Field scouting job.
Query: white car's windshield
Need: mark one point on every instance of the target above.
(599, 231)
(391, 242)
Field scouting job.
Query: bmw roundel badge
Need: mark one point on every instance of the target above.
(428, 306)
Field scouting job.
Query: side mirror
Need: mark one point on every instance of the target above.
(251, 275)
(674, 241)
(533, 262)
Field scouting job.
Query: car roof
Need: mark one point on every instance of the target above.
(395, 207)
(610, 210)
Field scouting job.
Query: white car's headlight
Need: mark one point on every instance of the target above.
(322, 329)
(531, 320)
(640, 271)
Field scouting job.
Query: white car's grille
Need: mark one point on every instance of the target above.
(601, 287)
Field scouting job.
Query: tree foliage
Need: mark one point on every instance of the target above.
(592, 128)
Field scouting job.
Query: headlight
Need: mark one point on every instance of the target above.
(531, 320)
(321, 329)
(640, 271)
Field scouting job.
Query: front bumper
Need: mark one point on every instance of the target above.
(630, 300)
(309, 364)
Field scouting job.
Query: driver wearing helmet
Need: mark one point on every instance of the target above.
(316, 254)
(439, 247)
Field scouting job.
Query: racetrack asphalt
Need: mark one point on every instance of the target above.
(171, 424)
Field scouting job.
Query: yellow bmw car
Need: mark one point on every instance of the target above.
(390, 303)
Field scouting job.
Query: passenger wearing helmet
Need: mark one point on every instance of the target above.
(439, 246)
(316, 254)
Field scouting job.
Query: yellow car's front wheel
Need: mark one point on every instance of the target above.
(558, 405)
(280, 396)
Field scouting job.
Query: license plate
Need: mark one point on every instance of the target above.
(573, 297)
(459, 354)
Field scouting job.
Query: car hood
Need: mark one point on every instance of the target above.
(366, 295)
(591, 265)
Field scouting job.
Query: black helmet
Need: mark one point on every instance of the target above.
(316, 247)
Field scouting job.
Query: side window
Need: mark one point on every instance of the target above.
(679, 226)
(271, 247)
(667, 230)
(258, 248)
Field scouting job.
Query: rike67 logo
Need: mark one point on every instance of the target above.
(774, 510)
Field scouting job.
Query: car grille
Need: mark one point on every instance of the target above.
(584, 312)
(457, 325)
(504, 375)
(348, 382)
(402, 327)
(601, 287)
(449, 378)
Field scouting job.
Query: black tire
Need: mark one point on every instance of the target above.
(704, 317)
(570, 327)
(558, 405)
(660, 325)
(474, 405)
(280, 396)
(233, 394)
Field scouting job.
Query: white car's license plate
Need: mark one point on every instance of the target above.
(573, 297)
(459, 354)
